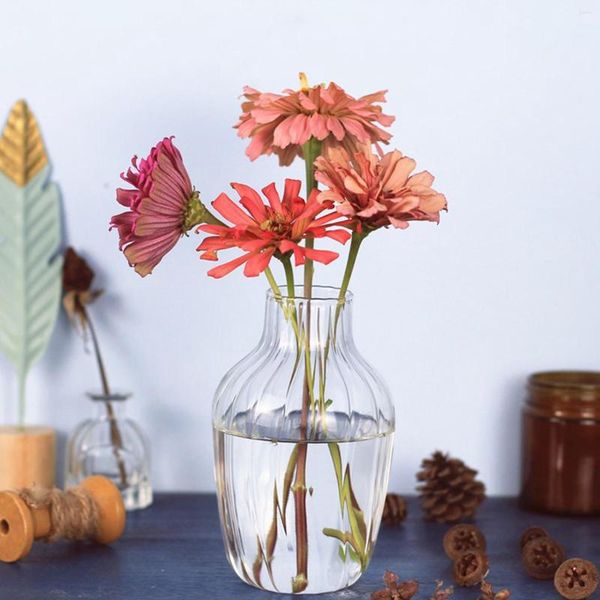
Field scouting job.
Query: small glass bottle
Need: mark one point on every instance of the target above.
(112, 445)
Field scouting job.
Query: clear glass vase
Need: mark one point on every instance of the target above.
(112, 445)
(303, 433)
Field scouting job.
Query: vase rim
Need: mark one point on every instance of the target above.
(320, 293)
(112, 397)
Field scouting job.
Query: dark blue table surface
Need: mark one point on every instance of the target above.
(174, 550)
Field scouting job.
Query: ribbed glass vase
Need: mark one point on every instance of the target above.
(303, 433)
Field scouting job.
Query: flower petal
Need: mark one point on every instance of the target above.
(228, 267)
(258, 263)
(272, 195)
(231, 211)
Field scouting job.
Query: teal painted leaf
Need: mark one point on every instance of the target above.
(30, 270)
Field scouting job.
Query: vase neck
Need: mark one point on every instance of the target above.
(319, 322)
(110, 406)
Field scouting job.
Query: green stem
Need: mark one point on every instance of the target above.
(310, 151)
(357, 240)
(289, 276)
(356, 538)
(273, 283)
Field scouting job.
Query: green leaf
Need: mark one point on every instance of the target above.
(30, 271)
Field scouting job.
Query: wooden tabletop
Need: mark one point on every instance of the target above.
(173, 550)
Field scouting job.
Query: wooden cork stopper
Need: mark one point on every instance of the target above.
(20, 524)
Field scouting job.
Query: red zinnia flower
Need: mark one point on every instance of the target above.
(273, 229)
(159, 206)
(281, 123)
(378, 191)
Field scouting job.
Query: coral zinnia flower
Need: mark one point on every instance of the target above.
(378, 191)
(273, 229)
(160, 207)
(281, 123)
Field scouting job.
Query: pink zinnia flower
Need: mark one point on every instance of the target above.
(281, 123)
(158, 206)
(266, 230)
(378, 191)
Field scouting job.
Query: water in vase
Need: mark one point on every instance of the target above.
(301, 529)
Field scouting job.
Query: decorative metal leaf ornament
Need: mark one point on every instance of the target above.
(30, 236)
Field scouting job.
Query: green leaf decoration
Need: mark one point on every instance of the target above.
(30, 236)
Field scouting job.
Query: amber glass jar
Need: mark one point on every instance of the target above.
(561, 443)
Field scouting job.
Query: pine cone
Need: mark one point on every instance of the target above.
(449, 491)
(394, 509)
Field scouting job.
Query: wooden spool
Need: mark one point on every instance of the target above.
(20, 524)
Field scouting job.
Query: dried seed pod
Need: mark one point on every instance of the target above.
(532, 533)
(576, 579)
(394, 509)
(542, 556)
(461, 538)
(470, 568)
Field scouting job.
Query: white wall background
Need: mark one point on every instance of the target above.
(500, 100)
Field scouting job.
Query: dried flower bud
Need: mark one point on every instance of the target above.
(396, 590)
(461, 538)
(576, 579)
(77, 273)
(77, 282)
(542, 556)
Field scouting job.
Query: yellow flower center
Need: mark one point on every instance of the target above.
(277, 223)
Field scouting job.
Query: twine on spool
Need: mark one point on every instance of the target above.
(73, 513)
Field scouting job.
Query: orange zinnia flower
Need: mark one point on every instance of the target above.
(378, 191)
(273, 229)
(282, 123)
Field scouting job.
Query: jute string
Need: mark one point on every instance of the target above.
(73, 513)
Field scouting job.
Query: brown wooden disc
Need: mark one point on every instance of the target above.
(16, 528)
(106, 494)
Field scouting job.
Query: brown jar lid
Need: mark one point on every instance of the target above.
(565, 395)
